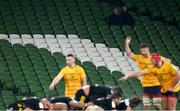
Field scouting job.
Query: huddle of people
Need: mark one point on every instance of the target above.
(93, 97)
(120, 16)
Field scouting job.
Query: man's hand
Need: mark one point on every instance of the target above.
(89, 104)
(170, 89)
(51, 87)
(125, 78)
(127, 47)
(128, 40)
(55, 81)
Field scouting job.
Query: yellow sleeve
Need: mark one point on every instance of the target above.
(82, 72)
(61, 73)
(135, 57)
(173, 69)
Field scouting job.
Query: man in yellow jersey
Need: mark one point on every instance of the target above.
(168, 77)
(74, 77)
(150, 83)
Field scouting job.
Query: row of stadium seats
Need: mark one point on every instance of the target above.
(83, 49)
(165, 9)
(85, 18)
(87, 21)
(28, 71)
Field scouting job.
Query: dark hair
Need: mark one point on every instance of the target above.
(116, 95)
(117, 90)
(70, 55)
(144, 46)
(134, 102)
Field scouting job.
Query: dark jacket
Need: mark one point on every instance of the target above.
(114, 19)
(127, 19)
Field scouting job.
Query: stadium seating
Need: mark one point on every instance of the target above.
(30, 70)
(28, 66)
(167, 10)
(86, 18)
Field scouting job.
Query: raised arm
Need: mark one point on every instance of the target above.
(134, 74)
(127, 47)
(55, 81)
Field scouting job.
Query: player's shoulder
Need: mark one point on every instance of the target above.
(79, 67)
(66, 67)
(172, 65)
(168, 64)
(137, 55)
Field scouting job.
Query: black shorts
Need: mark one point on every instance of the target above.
(80, 96)
(151, 91)
(98, 91)
(170, 94)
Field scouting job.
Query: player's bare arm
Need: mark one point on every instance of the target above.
(133, 75)
(76, 104)
(175, 81)
(84, 81)
(59, 106)
(127, 47)
(55, 81)
(128, 108)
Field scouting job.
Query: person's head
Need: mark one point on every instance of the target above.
(156, 59)
(117, 90)
(116, 11)
(124, 9)
(46, 103)
(135, 101)
(70, 60)
(116, 97)
(144, 49)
